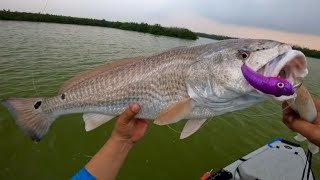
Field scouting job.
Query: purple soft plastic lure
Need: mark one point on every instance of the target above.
(268, 85)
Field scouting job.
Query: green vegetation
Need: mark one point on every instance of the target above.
(213, 36)
(156, 29)
(308, 52)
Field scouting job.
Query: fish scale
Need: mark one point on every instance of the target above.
(110, 89)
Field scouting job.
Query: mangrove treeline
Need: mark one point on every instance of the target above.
(213, 36)
(308, 52)
(131, 26)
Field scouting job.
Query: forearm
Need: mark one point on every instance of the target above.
(107, 162)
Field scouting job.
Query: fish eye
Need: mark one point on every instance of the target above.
(280, 84)
(244, 54)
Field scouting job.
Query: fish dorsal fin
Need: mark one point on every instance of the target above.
(175, 112)
(93, 120)
(191, 127)
(96, 71)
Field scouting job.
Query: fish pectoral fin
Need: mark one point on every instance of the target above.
(191, 127)
(94, 120)
(174, 112)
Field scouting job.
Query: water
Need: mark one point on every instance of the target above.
(36, 58)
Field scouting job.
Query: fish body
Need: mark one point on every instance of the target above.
(182, 83)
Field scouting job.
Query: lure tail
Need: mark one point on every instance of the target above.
(30, 116)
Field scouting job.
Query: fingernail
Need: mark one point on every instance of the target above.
(290, 118)
(135, 107)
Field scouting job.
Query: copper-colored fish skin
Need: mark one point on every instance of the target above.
(155, 82)
(208, 75)
(113, 90)
(91, 73)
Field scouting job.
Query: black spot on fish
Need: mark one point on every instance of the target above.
(63, 96)
(35, 138)
(37, 105)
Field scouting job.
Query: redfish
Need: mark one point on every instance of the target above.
(193, 83)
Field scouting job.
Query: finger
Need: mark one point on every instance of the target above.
(286, 110)
(304, 128)
(287, 113)
(289, 117)
(141, 127)
(142, 123)
(129, 113)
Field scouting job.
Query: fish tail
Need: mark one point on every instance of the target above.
(29, 115)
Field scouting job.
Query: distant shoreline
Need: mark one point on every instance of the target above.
(156, 29)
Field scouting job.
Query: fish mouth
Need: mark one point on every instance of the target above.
(291, 66)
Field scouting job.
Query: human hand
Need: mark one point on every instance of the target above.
(309, 130)
(106, 163)
(129, 129)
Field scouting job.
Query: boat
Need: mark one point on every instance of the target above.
(277, 160)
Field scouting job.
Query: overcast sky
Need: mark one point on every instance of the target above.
(296, 16)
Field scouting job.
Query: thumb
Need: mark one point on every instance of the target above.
(129, 113)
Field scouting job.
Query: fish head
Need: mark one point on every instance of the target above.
(289, 68)
(271, 59)
(276, 59)
(218, 76)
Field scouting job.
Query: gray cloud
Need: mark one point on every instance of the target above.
(289, 15)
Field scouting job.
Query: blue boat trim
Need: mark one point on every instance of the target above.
(275, 140)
